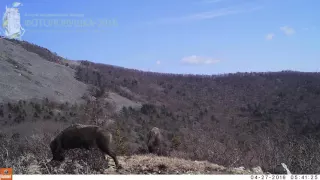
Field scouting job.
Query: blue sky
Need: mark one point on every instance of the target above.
(182, 36)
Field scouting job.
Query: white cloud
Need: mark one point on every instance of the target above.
(198, 60)
(209, 14)
(287, 30)
(309, 28)
(158, 62)
(212, 1)
(270, 36)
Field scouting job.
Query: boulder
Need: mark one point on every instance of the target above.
(257, 170)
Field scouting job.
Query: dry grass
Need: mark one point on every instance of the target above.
(152, 164)
(33, 157)
(147, 164)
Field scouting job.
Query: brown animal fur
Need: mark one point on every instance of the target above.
(155, 141)
(82, 136)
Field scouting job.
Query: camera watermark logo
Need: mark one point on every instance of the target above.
(11, 22)
(5, 173)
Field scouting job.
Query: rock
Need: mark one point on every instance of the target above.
(241, 168)
(238, 170)
(257, 170)
(281, 169)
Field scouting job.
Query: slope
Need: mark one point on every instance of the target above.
(25, 75)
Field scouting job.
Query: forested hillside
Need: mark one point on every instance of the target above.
(241, 119)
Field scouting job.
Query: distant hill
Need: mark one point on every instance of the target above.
(240, 119)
